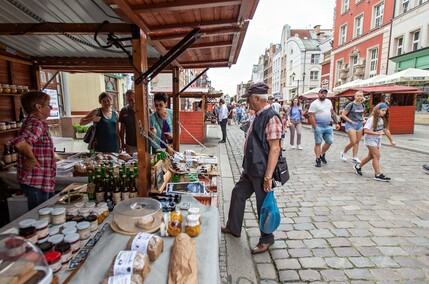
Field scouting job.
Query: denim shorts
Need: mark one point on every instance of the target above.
(357, 126)
(372, 141)
(323, 132)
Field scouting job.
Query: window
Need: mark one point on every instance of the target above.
(343, 34)
(315, 58)
(339, 66)
(358, 25)
(353, 62)
(314, 75)
(405, 5)
(345, 6)
(378, 15)
(373, 62)
(358, 1)
(416, 40)
(399, 45)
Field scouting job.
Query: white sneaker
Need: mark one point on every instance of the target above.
(299, 147)
(343, 156)
(293, 146)
(356, 160)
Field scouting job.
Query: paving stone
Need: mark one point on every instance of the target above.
(304, 227)
(369, 251)
(323, 252)
(264, 281)
(333, 275)
(253, 232)
(262, 258)
(343, 225)
(321, 233)
(295, 244)
(283, 264)
(386, 241)
(312, 262)
(339, 242)
(251, 223)
(323, 225)
(279, 254)
(267, 271)
(299, 220)
(340, 232)
(420, 241)
(393, 251)
(360, 232)
(361, 242)
(361, 274)
(309, 275)
(384, 261)
(300, 252)
(405, 261)
(288, 276)
(381, 232)
(338, 262)
(279, 235)
(411, 273)
(385, 274)
(361, 262)
(298, 235)
(346, 251)
(316, 243)
(278, 244)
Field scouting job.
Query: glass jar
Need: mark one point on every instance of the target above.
(105, 211)
(45, 213)
(78, 218)
(19, 89)
(6, 88)
(26, 223)
(7, 126)
(58, 216)
(12, 124)
(25, 88)
(46, 247)
(15, 247)
(84, 231)
(29, 233)
(54, 260)
(69, 230)
(90, 205)
(18, 124)
(2, 125)
(42, 228)
(73, 240)
(176, 215)
(100, 215)
(72, 211)
(93, 221)
(1, 88)
(192, 227)
(174, 228)
(79, 205)
(42, 240)
(54, 230)
(56, 239)
(84, 211)
(66, 253)
(69, 224)
(195, 211)
(13, 89)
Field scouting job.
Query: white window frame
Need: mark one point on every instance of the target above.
(345, 6)
(378, 19)
(358, 1)
(353, 62)
(399, 47)
(405, 6)
(415, 43)
(343, 34)
(358, 29)
(314, 75)
(315, 59)
(373, 61)
(340, 64)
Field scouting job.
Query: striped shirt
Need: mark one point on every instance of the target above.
(35, 132)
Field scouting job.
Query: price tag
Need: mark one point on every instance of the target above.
(124, 263)
(120, 279)
(141, 242)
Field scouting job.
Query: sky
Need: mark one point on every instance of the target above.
(266, 28)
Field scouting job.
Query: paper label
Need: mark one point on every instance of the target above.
(120, 279)
(124, 263)
(141, 242)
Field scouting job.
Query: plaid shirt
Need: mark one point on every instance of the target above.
(35, 132)
(273, 130)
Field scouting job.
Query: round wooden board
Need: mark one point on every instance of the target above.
(120, 231)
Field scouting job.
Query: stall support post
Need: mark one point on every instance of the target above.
(176, 109)
(142, 115)
(203, 111)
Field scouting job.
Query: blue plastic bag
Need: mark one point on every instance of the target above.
(270, 215)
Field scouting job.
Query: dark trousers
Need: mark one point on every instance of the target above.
(35, 196)
(223, 123)
(243, 189)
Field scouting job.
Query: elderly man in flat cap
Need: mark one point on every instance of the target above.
(261, 153)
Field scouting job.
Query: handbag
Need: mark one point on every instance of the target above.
(90, 134)
(245, 126)
(269, 219)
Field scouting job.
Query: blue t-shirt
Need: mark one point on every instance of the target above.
(239, 110)
(294, 112)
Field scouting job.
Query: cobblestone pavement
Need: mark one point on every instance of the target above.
(340, 227)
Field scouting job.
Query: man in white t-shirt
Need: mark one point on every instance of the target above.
(276, 106)
(223, 119)
(321, 111)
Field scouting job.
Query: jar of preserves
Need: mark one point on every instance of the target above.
(69, 224)
(72, 211)
(195, 211)
(45, 213)
(100, 215)
(66, 253)
(26, 223)
(78, 218)
(25, 88)
(46, 247)
(42, 228)
(69, 230)
(176, 215)
(42, 240)
(29, 233)
(18, 124)
(84, 231)
(54, 260)
(90, 205)
(56, 239)
(73, 240)
(54, 230)
(1, 88)
(93, 221)
(79, 205)
(12, 124)
(58, 216)
(84, 211)
(2, 125)
(192, 227)
(174, 228)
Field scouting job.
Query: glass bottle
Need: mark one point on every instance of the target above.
(125, 191)
(7, 157)
(90, 188)
(14, 153)
(136, 169)
(116, 190)
(133, 189)
(99, 190)
(108, 196)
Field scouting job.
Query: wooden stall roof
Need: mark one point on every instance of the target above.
(393, 89)
(189, 93)
(59, 34)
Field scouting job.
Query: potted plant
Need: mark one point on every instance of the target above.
(80, 130)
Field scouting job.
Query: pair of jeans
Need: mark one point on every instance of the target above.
(35, 196)
(223, 123)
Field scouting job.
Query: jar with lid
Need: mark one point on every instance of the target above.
(2, 125)
(18, 124)
(58, 216)
(79, 205)
(100, 215)
(174, 228)
(7, 125)
(90, 205)
(195, 211)
(69, 230)
(42, 228)
(13, 89)
(25, 88)
(56, 239)
(42, 240)
(12, 124)
(1, 88)
(46, 247)
(54, 230)
(54, 260)
(105, 211)
(192, 227)
(93, 221)
(176, 215)
(78, 218)
(73, 240)
(72, 211)
(15, 247)
(45, 213)
(29, 233)
(84, 231)
(84, 211)
(65, 249)
(6, 88)
(26, 223)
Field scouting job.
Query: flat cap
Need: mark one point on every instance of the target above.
(258, 88)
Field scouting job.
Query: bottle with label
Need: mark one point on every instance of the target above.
(14, 153)
(125, 191)
(136, 169)
(99, 190)
(116, 190)
(7, 157)
(133, 189)
(90, 187)
(111, 169)
(108, 192)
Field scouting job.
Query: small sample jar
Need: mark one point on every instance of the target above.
(78, 218)
(56, 239)
(69, 224)
(12, 124)
(19, 89)
(45, 213)
(101, 204)
(69, 230)
(26, 223)
(54, 260)
(93, 221)
(41, 228)
(83, 229)
(25, 88)
(43, 240)
(195, 211)
(29, 233)
(58, 216)
(84, 211)
(18, 124)
(174, 228)
(72, 211)
(176, 215)
(105, 211)
(46, 247)
(7, 125)
(90, 205)
(1, 88)
(54, 230)
(192, 227)
(2, 125)
(66, 253)
(73, 240)
(100, 215)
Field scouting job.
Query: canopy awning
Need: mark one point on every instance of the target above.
(188, 93)
(394, 89)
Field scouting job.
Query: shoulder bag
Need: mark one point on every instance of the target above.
(90, 134)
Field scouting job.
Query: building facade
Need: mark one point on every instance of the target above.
(277, 64)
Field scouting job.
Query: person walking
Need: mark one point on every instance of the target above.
(294, 116)
(321, 112)
(223, 119)
(261, 153)
(127, 124)
(353, 116)
(161, 123)
(276, 105)
(376, 126)
(239, 111)
(36, 167)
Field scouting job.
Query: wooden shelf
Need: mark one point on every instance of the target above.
(8, 166)
(9, 130)
(10, 95)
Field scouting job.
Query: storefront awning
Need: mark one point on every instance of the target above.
(394, 89)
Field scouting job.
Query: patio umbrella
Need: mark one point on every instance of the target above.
(373, 81)
(347, 85)
(407, 76)
(314, 91)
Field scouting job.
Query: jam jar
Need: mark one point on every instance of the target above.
(58, 216)
(29, 233)
(66, 253)
(41, 228)
(83, 229)
(174, 228)
(192, 227)
(54, 260)
(73, 240)
(45, 213)
(93, 221)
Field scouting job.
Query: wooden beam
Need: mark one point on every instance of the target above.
(216, 23)
(87, 61)
(126, 9)
(53, 28)
(182, 5)
(14, 59)
(176, 109)
(204, 64)
(207, 45)
(158, 36)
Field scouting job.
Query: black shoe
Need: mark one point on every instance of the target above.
(382, 177)
(318, 163)
(425, 168)
(322, 157)
(358, 170)
(221, 141)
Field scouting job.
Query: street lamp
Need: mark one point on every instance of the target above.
(293, 79)
(303, 80)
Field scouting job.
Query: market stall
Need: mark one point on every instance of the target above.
(401, 100)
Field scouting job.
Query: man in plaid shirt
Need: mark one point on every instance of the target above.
(36, 163)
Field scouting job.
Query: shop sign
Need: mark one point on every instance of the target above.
(53, 102)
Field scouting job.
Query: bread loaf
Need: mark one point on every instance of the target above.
(183, 262)
(130, 262)
(134, 279)
(147, 244)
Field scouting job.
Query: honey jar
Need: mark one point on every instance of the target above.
(193, 226)
(174, 228)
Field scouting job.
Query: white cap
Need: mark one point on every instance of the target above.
(83, 225)
(56, 239)
(54, 230)
(58, 211)
(69, 230)
(45, 211)
(41, 224)
(69, 224)
(26, 223)
(71, 238)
